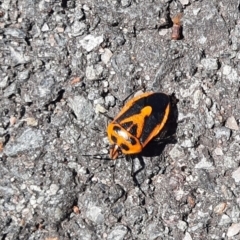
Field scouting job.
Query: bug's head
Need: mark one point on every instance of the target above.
(115, 151)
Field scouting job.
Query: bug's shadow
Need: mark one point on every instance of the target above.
(135, 173)
(157, 145)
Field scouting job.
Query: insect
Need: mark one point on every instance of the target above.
(177, 27)
(141, 119)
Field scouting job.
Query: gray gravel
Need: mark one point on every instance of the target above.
(64, 62)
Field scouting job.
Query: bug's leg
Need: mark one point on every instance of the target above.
(126, 98)
(96, 129)
(143, 88)
(107, 116)
(97, 156)
(114, 168)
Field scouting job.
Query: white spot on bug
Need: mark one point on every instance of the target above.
(123, 134)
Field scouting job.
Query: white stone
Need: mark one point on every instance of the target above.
(100, 109)
(204, 164)
(202, 40)
(118, 233)
(109, 100)
(225, 219)
(35, 188)
(231, 123)
(226, 70)
(218, 151)
(187, 143)
(93, 72)
(182, 225)
(236, 175)
(184, 2)
(94, 213)
(53, 189)
(90, 42)
(45, 27)
(105, 83)
(163, 32)
(81, 107)
(3, 82)
(210, 63)
(196, 11)
(220, 208)
(187, 236)
(176, 152)
(106, 56)
(197, 97)
(233, 230)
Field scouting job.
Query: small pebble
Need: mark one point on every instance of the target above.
(118, 233)
(181, 225)
(95, 214)
(60, 29)
(105, 83)
(45, 27)
(31, 121)
(231, 123)
(222, 132)
(196, 11)
(76, 210)
(81, 107)
(94, 72)
(208, 102)
(126, 3)
(53, 189)
(163, 32)
(220, 208)
(177, 152)
(90, 42)
(187, 236)
(4, 82)
(32, 136)
(100, 109)
(78, 28)
(236, 175)
(106, 56)
(184, 2)
(226, 70)
(109, 101)
(204, 164)
(225, 219)
(75, 80)
(12, 120)
(218, 151)
(210, 63)
(233, 230)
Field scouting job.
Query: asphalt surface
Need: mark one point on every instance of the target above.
(63, 64)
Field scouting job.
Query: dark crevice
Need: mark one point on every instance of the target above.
(4, 236)
(64, 3)
(58, 99)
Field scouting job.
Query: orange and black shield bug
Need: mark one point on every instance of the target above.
(141, 119)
